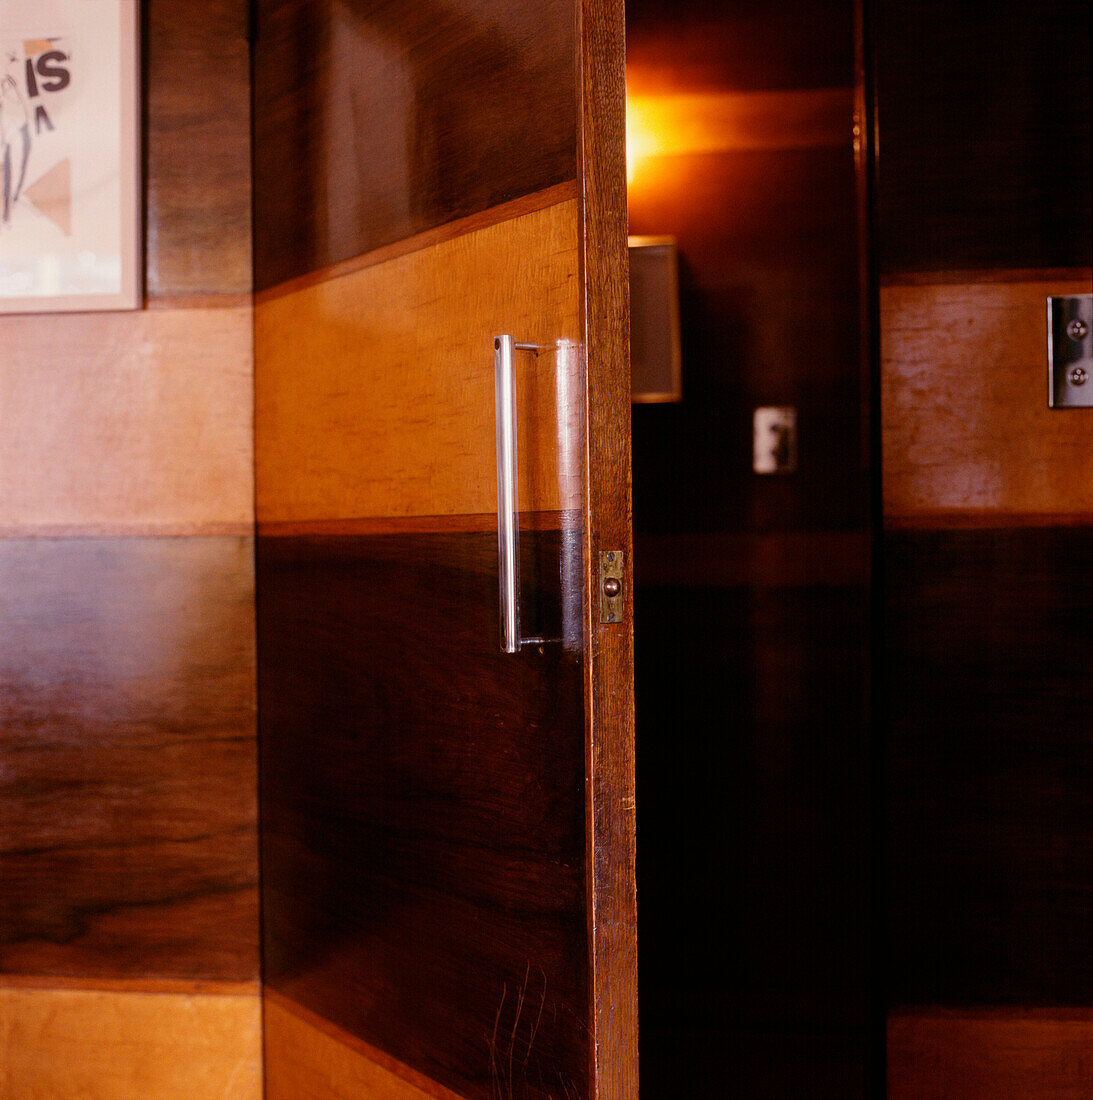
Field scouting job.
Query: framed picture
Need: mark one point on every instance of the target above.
(70, 189)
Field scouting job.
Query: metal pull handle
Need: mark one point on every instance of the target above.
(508, 521)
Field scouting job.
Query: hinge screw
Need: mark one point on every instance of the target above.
(1077, 376)
(1077, 329)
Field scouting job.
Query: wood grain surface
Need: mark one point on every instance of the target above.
(308, 1057)
(374, 391)
(743, 47)
(1035, 1054)
(990, 881)
(129, 788)
(610, 813)
(423, 813)
(377, 121)
(123, 421)
(966, 424)
(197, 147)
(103, 1045)
(983, 122)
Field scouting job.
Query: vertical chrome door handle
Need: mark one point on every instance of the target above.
(508, 520)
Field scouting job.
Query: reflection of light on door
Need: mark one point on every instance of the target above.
(569, 392)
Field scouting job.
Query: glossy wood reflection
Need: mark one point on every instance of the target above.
(423, 813)
(379, 120)
(127, 704)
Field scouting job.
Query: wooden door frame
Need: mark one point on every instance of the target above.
(609, 684)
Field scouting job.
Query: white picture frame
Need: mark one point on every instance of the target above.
(70, 156)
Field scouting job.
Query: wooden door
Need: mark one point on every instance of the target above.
(447, 828)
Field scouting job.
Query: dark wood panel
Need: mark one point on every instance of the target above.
(197, 146)
(938, 1054)
(989, 638)
(984, 133)
(423, 812)
(128, 846)
(752, 761)
(743, 45)
(358, 101)
(768, 312)
(751, 603)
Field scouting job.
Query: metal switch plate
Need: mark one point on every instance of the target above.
(1070, 352)
(612, 586)
(774, 439)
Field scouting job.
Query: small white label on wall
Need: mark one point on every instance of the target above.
(774, 440)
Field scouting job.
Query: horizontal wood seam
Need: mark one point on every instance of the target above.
(401, 525)
(986, 519)
(992, 1013)
(127, 530)
(199, 301)
(201, 986)
(990, 275)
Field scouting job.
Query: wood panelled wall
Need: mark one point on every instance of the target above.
(984, 210)
(128, 849)
(752, 591)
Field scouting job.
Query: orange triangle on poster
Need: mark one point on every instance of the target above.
(52, 194)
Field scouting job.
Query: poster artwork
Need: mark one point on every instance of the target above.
(68, 187)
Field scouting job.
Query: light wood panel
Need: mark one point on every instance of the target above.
(128, 846)
(348, 368)
(103, 1045)
(1034, 1054)
(308, 1058)
(127, 422)
(966, 424)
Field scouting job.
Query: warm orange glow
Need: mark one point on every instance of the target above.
(645, 133)
(715, 122)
